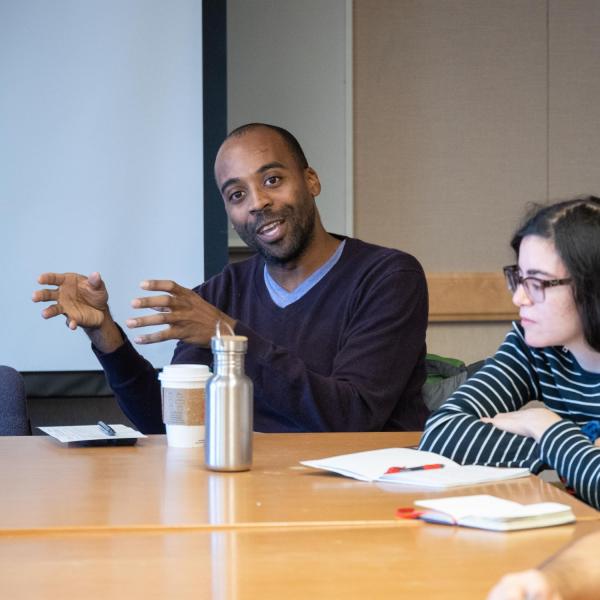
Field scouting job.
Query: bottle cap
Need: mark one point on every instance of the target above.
(229, 343)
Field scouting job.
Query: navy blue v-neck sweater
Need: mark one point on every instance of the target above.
(349, 355)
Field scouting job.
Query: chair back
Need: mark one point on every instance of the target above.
(13, 405)
(56, 398)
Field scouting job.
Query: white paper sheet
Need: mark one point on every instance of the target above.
(85, 433)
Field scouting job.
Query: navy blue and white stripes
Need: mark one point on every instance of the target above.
(515, 375)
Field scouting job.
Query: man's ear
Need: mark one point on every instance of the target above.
(312, 181)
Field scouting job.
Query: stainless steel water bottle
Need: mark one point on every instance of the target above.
(229, 407)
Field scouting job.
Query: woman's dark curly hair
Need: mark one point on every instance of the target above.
(574, 227)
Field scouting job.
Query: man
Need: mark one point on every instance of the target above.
(335, 327)
(571, 574)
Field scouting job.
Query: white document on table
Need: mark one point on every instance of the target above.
(86, 433)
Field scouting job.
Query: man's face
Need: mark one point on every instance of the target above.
(268, 196)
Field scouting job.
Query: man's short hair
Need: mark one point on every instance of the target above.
(291, 142)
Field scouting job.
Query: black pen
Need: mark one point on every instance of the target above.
(107, 429)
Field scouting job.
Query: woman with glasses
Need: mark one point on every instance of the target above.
(551, 355)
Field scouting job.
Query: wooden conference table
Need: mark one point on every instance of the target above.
(149, 521)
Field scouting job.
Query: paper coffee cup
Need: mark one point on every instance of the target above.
(183, 400)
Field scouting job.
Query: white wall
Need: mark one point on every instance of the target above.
(100, 159)
(289, 64)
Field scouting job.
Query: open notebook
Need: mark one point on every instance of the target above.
(393, 465)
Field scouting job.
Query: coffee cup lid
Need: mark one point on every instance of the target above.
(182, 372)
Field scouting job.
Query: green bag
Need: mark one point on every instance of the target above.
(444, 376)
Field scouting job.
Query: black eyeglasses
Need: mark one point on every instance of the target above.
(534, 288)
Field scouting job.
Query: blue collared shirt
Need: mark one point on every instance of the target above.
(283, 298)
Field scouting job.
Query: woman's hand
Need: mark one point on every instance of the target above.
(532, 422)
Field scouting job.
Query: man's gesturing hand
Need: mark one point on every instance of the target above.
(189, 317)
(83, 300)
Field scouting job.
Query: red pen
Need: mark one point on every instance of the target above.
(408, 512)
(421, 468)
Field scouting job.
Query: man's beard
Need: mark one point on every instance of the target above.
(300, 226)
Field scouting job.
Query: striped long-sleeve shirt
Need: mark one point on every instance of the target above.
(516, 374)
